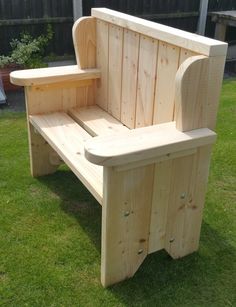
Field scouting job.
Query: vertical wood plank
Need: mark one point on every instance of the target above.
(40, 154)
(185, 54)
(85, 96)
(115, 70)
(160, 201)
(125, 222)
(194, 210)
(189, 183)
(180, 197)
(129, 78)
(167, 66)
(102, 64)
(40, 151)
(68, 98)
(146, 81)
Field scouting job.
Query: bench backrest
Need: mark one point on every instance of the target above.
(139, 61)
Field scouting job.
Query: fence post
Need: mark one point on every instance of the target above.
(203, 17)
(77, 9)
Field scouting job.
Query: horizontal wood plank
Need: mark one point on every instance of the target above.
(144, 143)
(30, 77)
(96, 121)
(196, 43)
(67, 138)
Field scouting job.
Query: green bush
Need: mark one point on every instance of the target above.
(27, 52)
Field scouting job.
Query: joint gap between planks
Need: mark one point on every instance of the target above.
(155, 41)
(155, 85)
(121, 84)
(136, 94)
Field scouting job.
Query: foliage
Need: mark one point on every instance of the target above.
(27, 52)
(50, 234)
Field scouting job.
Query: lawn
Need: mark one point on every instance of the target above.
(50, 234)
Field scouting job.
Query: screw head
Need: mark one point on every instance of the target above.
(183, 195)
(140, 251)
(127, 213)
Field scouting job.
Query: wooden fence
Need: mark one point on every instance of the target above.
(34, 15)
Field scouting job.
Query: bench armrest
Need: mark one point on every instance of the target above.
(144, 143)
(40, 76)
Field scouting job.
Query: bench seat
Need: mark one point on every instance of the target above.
(96, 121)
(67, 134)
(67, 138)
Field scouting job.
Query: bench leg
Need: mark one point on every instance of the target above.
(187, 195)
(43, 159)
(125, 222)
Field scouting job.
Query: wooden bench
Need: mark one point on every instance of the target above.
(134, 121)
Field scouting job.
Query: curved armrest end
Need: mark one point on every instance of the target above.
(144, 143)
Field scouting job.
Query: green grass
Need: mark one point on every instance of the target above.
(50, 234)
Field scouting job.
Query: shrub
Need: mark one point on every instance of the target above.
(27, 51)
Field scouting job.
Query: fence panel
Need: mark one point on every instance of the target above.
(33, 16)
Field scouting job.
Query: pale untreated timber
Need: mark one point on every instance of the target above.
(144, 143)
(129, 77)
(188, 187)
(67, 139)
(160, 201)
(167, 66)
(191, 93)
(196, 43)
(115, 56)
(40, 154)
(53, 98)
(146, 81)
(63, 85)
(215, 77)
(96, 121)
(144, 162)
(84, 39)
(125, 222)
(30, 77)
(102, 55)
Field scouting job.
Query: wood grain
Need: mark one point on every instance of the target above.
(67, 139)
(146, 81)
(115, 70)
(167, 66)
(144, 143)
(102, 55)
(183, 39)
(125, 222)
(96, 121)
(129, 78)
(191, 93)
(39, 76)
(84, 39)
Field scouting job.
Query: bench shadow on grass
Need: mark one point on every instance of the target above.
(76, 201)
(198, 278)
